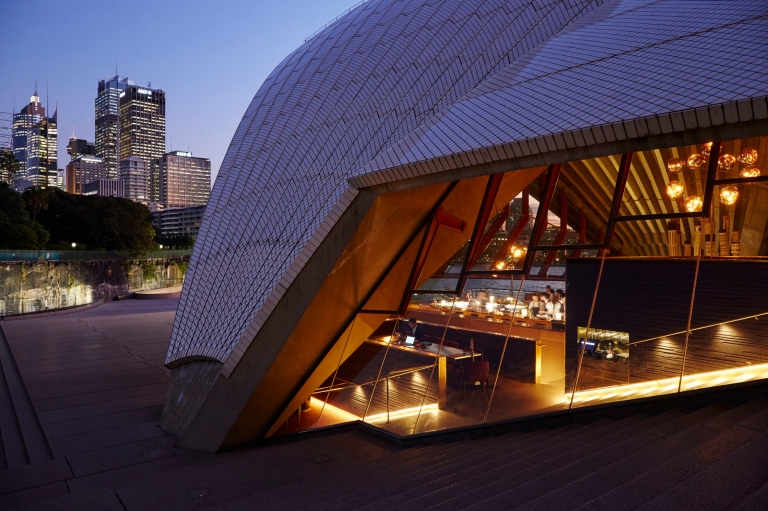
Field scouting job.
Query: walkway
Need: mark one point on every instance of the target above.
(82, 426)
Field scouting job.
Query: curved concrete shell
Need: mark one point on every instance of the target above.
(355, 137)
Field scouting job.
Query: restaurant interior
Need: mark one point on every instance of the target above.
(658, 254)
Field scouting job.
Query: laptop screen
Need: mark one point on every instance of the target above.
(409, 340)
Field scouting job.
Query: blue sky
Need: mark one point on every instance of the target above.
(210, 57)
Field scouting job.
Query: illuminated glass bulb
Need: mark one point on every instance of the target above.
(675, 190)
(706, 148)
(675, 165)
(729, 195)
(693, 204)
(749, 172)
(696, 160)
(748, 156)
(726, 161)
(500, 265)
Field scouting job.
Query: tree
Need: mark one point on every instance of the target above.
(37, 199)
(106, 223)
(17, 231)
(9, 166)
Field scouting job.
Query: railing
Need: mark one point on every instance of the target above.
(85, 255)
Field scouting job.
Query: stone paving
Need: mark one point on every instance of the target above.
(97, 383)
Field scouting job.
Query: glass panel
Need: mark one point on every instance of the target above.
(551, 263)
(743, 158)
(670, 180)
(661, 237)
(506, 248)
(633, 345)
(529, 377)
(728, 338)
(740, 219)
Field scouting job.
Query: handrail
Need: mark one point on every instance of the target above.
(751, 316)
(349, 385)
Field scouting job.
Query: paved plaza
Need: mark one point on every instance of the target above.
(87, 435)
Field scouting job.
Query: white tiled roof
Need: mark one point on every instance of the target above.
(409, 87)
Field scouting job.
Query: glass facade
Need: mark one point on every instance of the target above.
(142, 123)
(662, 257)
(107, 109)
(178, 180)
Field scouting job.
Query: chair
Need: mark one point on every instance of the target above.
(475, 374)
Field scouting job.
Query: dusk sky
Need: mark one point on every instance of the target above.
(210, 58)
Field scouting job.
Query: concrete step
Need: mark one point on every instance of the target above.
(461, 494)
(400, 461)
(453, 483)
(383, 493)
(643, 473)
(757, 501)
(23, 439)
(501, 485)
(716, 485)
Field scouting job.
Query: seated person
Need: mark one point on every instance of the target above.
(412, 329)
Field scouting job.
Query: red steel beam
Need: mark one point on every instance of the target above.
(560, 238)
(515, 232)
(582, 232)
(486, 208)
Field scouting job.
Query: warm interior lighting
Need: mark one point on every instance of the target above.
(675, 165)
(500, 265)
(670, 385)
(729, 195)
(696, 160)
(748, 156)
(675, 190)
(399, 414)
(749, 172)
(523, 313)
(726, 161)
(693, 204)
(706, 148)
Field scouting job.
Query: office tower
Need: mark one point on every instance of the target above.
(134, 173)
(83, 170)
(178, 180)
(78, 147)
(142, 123)
(42, 154)
(107, 113)
(23, 123)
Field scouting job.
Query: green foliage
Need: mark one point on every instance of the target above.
(108, 223)
(183, 267)
(17, 230)
(148, 270)
(36, 199)
(175, 241)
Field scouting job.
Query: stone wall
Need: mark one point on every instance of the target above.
(46, 285)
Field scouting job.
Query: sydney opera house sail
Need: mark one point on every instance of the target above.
(413, 193)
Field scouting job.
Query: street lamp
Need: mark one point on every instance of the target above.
(74, 245)
(161, 247)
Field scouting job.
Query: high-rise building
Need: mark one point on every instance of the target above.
(107, 113)
(34, 144)
(179, 180)
(134, 173)
(83, 170)
(179, 221)
(78, 147)
(142, 123)
(61, 179)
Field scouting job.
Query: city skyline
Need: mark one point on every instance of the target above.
(208, 88)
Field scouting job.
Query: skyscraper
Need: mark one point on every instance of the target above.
(23, 122)
(107, 113)
(142, 123)
(178, 180)
(35, 146)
